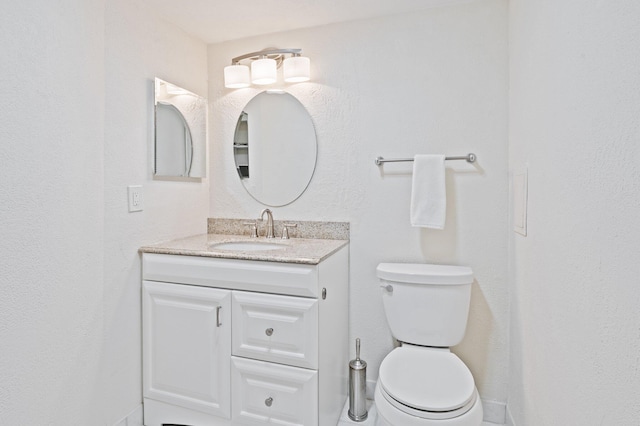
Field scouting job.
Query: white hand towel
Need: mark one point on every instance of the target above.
(428, 192)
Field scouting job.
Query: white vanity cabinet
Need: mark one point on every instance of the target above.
(242, 342)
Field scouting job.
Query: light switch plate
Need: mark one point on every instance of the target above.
(136, 199)
(520, 200)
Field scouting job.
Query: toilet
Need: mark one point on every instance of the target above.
(421, 382)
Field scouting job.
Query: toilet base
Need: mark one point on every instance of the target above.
(388, 415)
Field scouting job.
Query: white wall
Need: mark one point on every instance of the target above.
(575, 119)
(140, 47)
(51, 211)
(428, 82)
(76, 91)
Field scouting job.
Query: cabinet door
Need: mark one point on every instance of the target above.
(187, 346)
(270, 327)
(265, 393)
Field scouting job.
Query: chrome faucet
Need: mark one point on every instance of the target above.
(269, 233)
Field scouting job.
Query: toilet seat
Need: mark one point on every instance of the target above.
(426, 382)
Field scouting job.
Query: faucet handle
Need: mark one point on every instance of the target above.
(254, 228)
(285, 229)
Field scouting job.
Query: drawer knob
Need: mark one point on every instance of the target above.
(268, 402)
(269, 332)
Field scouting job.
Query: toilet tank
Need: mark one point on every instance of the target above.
(426, 304)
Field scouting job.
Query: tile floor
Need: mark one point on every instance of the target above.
(345, 421)
(135, 418)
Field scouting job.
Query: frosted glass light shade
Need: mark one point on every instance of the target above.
(236, 76)
(296, 69)
(264, 71)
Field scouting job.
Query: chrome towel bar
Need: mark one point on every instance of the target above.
(470, 158)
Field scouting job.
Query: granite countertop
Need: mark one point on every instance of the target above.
(295, 250)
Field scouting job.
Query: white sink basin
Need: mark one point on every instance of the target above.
(248, 246)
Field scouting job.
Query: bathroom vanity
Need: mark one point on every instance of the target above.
(238, 331)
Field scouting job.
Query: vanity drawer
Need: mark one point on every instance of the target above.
(269, 327)
(267, 393)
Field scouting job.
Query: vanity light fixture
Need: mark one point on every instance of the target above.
(236, 76)
(296, 69)
(264, 71)
(264, 65)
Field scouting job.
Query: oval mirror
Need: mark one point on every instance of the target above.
(275, 148)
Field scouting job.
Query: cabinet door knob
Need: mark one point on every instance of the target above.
(268, 402)
(269, 332)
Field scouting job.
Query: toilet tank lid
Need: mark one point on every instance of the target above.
(423, 273)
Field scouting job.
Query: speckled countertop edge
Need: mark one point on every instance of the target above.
(295, 250)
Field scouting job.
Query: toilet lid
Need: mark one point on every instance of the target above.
(427, 379)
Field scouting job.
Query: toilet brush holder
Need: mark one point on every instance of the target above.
(357, 387)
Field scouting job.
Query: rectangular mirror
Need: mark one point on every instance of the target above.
(180, 126)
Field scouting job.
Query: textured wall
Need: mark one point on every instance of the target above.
(75, 125)
(139, 48)
(51, 211)
(429, 82)
(575, 119)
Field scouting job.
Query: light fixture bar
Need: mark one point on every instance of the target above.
(264, 53)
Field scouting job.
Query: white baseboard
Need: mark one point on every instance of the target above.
(134, 418)
(494, 411)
